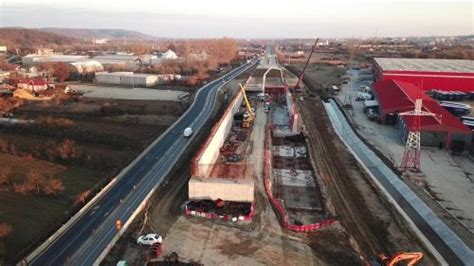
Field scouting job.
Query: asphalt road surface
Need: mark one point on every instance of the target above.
(85, 240)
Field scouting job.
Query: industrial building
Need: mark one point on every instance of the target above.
(442, 129)
(122, 60)
(36, 59)
(127, 78)
(428, 74)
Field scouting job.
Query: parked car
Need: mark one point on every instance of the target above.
(149, 239)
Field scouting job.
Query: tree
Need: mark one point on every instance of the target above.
(38, 184)
(61, 71)
(82, 197)
(34, 182)
(67, 149)
(4, 65)
(5, 230)
(5, 178)
(53, 186)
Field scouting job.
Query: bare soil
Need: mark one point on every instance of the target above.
(362, 210)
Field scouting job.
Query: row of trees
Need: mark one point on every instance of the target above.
(34, 183)
(65, 152)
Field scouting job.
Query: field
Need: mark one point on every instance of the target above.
(81, 143)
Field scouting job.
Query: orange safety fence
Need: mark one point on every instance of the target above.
(276, 202)
(224, 217)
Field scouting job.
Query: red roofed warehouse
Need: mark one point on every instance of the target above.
(32, 84)
(428, 74)
(441, 130)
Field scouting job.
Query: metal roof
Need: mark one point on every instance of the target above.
(428, 65)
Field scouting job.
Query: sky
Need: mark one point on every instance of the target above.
(248, 18)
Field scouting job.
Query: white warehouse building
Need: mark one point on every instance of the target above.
(126, 78)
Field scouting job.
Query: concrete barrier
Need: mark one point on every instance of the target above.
(352, 141)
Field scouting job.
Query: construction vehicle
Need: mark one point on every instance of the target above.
(249, 116)
(411, 258)
(297, 87)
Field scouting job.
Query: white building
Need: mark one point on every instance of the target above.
(36, 59)
(88, 66)
(169, 55)
(127, 78)
(124, 60)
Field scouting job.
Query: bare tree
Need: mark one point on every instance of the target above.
(67, 149)
(53, 186)
(5, 178)
(5, 230)
(82, 197)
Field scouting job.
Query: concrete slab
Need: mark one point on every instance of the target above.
(296, 178)
(288, 151)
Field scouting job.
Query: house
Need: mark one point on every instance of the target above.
(169, 55)
(32, 84)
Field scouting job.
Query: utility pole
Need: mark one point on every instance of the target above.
(412, 154)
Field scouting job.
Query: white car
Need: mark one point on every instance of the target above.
(188, 132)
(149, 239)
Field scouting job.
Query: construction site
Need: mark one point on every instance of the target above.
(222, 183)
(222, 180)
(280, 181)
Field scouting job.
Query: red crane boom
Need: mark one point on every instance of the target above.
(297, 86)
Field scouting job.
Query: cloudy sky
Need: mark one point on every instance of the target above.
(248, 18)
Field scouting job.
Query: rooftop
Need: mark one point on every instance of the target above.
(399, 96)
(124, 74)
(429, 65)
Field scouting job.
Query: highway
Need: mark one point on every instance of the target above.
(91, 233)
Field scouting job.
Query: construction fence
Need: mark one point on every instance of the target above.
(276, 203)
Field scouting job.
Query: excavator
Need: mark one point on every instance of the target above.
(297, 88)
(410, 258)
(248, 119)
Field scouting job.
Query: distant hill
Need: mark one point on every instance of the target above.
(30, 39)
(88, 34)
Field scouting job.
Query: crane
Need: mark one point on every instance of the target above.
(297, 88)
(251, 116)
(410, 257)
